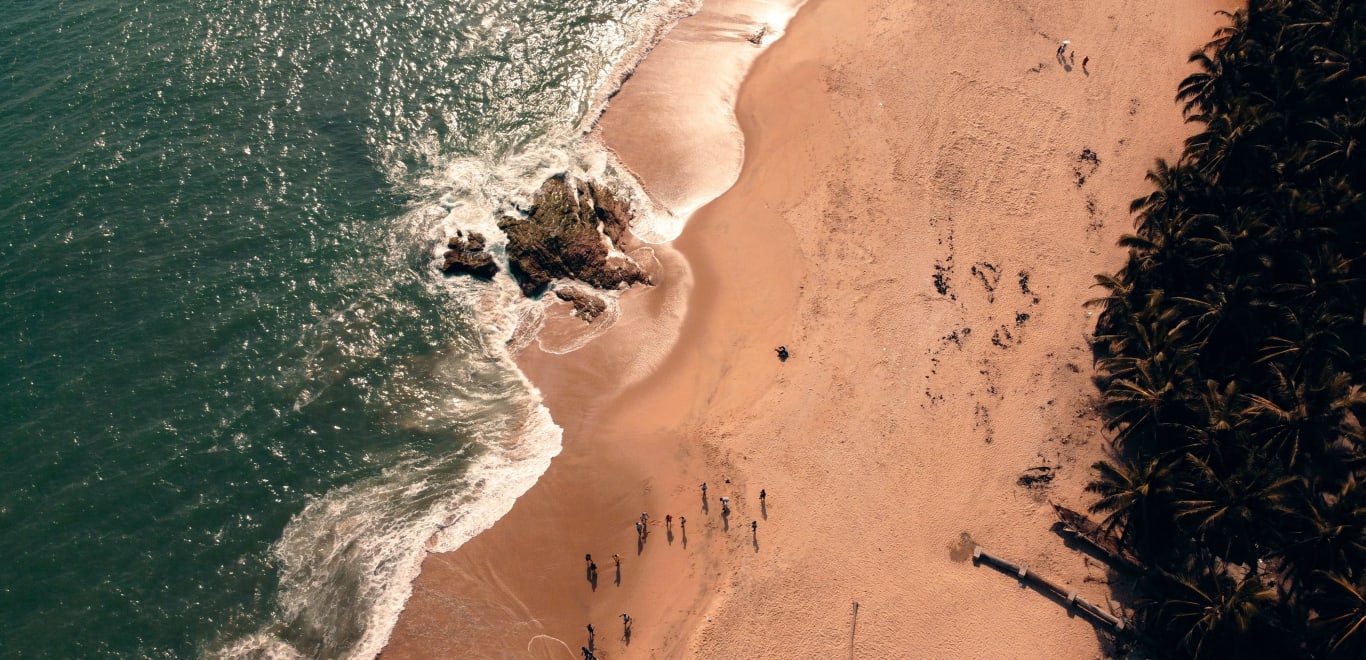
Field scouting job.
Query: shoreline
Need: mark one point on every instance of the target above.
(882, 440)
(588, 383)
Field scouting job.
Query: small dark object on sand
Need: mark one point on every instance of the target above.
(782, 353)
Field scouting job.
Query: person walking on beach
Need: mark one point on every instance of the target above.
(644, 518)
(683, 523)
(592, 569)
(617, 558)
(704, 489)
(754, 526)
(588, 558)
(590, 633)
(762, 495)
(668, 521)
(725, 506)
(626, 623)
(1063, 48)
(640, 530)
(782, 353)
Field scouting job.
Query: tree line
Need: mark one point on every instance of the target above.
(1230, 350)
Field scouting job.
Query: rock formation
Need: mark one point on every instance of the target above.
(466, 256)
(560, 238)
(586, 305)
(572, 230)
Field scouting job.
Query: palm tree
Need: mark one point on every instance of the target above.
(1337, 143)
(1160, 213)
(1199, 90)
(1145, 407)
(1132, 494)
(1227, 141)
(1307, 347)
(1340, 604)
(1329, 533)
(1237, 511)
(1235, 364)
(1220, 434)
(1304, 419)
(1148, 392)
(1213, 614)
(1118, 304)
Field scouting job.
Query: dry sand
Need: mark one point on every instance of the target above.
(892, 149)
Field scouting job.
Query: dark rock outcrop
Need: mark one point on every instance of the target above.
(560, 238)
(613, 212)
(466, 256)
(586, 305)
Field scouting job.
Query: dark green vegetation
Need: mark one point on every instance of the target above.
(1231, 350)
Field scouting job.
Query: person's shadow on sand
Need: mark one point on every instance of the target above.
(640, 544)
(618, 578)
(669, 536)
(763, 509)
(725, 523)
(756, 541)
(1062, 59)
(685, 538)
(705, 507)
(593, 579)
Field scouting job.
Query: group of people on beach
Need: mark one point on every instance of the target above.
(642, 530)
(1066, 58)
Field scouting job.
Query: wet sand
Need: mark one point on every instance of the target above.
(926, 193)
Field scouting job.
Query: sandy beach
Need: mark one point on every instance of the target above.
(925, 195)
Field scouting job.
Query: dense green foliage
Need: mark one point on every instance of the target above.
(1231, 349)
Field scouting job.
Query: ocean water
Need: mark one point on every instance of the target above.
(238, 400)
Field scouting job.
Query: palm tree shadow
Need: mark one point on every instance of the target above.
(1072, 542)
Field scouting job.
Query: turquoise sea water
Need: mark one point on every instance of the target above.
(237, 398)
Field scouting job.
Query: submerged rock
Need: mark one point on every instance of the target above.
(586, 305)
(466, 256)
(568, 232)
